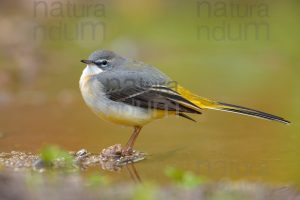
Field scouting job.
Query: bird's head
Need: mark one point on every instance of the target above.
(103, 60)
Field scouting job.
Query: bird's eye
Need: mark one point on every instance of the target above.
(104, 62)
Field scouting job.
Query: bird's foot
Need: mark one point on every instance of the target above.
(127, 151)
(117, 156)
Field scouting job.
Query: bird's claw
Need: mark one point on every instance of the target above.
(127, 151)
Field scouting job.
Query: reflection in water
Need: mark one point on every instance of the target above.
(40, 102)
(112, 159)
(82, 159)
(133, 173)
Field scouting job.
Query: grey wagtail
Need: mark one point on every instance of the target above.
(131, 93)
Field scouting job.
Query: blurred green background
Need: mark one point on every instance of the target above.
(240, 52)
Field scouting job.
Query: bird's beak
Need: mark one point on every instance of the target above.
(87, 61)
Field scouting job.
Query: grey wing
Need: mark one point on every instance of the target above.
(147, 88)
(155, 97)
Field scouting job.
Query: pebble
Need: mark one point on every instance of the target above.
(81, 152)
(109, 159)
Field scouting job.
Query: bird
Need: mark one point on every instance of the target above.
(131, 93)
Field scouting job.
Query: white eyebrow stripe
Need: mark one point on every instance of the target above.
(101, 60)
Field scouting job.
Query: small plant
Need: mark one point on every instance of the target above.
(144, 191)
(183, 178)
(97, 179)
(53, 156)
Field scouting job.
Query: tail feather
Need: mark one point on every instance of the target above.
(250, 112)
(204, 103)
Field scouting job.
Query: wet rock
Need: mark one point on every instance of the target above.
(17, 160)
(81, 153)
(109, 159)
(111, 152)
(113, 160)
(39, 165)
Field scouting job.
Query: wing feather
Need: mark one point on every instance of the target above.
(161, 98)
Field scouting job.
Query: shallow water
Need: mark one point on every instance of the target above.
(40, 102)
(220, 146)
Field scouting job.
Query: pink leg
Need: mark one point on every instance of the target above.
(127, 150)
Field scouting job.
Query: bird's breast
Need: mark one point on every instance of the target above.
(117, 112)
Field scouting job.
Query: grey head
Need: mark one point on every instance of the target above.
(114, 76)
(121, 69)
(104, 59)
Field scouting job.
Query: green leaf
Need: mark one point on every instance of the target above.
(184, 178)
(53, 154)
(96, 179)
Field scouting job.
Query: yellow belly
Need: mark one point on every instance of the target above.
(127, 119)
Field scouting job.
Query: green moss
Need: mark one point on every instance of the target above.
(97, 179)
(144, 191)
(53, 155)
(184, 178)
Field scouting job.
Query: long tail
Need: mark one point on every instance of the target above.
(247, 111)
(208, 104)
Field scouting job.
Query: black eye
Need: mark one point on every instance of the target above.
(104, 62)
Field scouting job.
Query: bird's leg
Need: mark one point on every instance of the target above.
(127, 150)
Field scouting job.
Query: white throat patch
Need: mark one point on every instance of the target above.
(89, 70)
